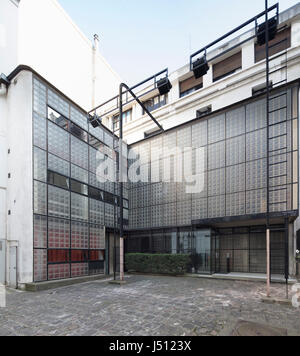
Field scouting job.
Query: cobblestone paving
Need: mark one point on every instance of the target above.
(159, 306)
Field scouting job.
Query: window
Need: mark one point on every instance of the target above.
(127, 117)
(281, 42)
(190, 85)
(228, 66)
(58, 180)
(155, 103)
(57, 118)
(78, 132)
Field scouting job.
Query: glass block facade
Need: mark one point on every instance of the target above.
(71, 206)
(235, 168)
(165, 218)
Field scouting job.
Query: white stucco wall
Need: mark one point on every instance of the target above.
(19, 162)
(8, 35)
(40, 34)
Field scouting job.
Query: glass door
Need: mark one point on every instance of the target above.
(201, 252)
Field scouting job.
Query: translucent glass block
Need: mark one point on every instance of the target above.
(58, 141)
(216, 155)
(156, 147)
(80, 235)
(39, 98)
(40, 265)
(96, 182)
(199, 134)
(40, 164)
(256, 145)
(216, 182)
(61, 271)
(256, 115)
(39, 131)
(96, 212)
(216, 128)
(79, 207)
(40, 198)
(199, 209)
(235, 178)
(97, 132)
(170, 214)
(96, 157)
(157, 215)
(145, 153)
(58, 202)
(235, 204)
(79, 153)
(109, 215)
(97, 237)
(169, 193)
(256, 201)
(184, 136)
(256, 174)
(184, 212)
(235, 122)
(58, 165)
(79, 269)
(216, 207)
(156, 195)
(58, 233)
(79, 118)
(58, 103)
(79, 174)
(40, 231)
(235, 150)
(108, 139)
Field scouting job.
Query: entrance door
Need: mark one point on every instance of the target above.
(201, 258)
(2, 261)
(13, 267)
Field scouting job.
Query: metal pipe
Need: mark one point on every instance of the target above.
(268, 265)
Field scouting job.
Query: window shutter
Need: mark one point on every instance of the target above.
(190, 83)
(227, 66)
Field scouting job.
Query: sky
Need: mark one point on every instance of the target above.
(139, 38)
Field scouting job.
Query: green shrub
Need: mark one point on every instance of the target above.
(157, 263)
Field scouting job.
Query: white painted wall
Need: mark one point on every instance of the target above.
(8, 35)
(19, 186)
(41, 35)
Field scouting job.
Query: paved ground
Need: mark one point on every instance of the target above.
(145, 306)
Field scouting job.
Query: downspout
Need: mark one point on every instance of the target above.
(94, 68)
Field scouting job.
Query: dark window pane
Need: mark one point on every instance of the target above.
(96, 255)
(57, 118)
(79, 188)
(58, 180)
(78, 132)
(58, 256)
(96, 194)
(96, 143)
(79, 255)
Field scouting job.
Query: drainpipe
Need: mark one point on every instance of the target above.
(94, 69)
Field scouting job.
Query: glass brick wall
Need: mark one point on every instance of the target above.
(71, 206)
(235, 167)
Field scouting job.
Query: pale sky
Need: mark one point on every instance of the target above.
(139, 38)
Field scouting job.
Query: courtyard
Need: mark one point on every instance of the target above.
(146, 305)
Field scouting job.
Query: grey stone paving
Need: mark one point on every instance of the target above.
(147, 305)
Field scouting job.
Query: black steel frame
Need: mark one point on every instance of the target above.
(254, 20)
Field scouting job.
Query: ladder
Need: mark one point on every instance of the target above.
(277, 137)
